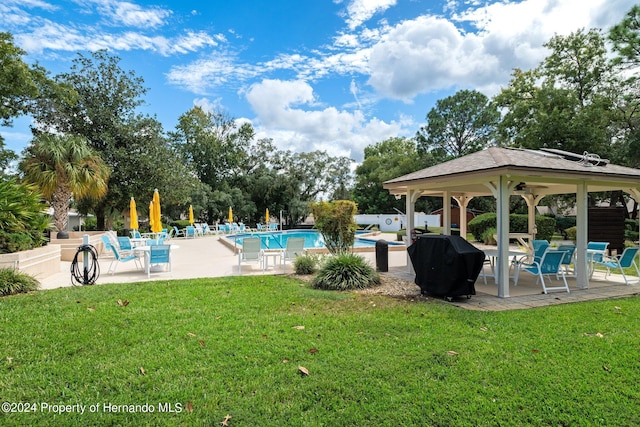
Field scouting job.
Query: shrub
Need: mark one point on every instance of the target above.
(562, 223)
(335, 221)
(487, 236)
(306, 264)
(518, 223)
(345, 272)
(23, 217)
(572, 232)
(14, 282)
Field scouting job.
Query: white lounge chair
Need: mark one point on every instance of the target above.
(294, 248)
(251, 252)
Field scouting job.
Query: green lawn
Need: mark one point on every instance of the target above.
(208, 348)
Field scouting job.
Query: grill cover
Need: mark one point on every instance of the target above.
(446, 265)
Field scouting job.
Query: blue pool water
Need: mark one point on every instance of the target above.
(312, 239)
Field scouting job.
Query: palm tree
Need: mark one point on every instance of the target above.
(64, 166)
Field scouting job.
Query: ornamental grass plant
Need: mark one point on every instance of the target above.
(345, 271)
(15, 282)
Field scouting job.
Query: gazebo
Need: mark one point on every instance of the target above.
(532, 174)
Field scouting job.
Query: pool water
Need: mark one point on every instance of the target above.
(312, 239)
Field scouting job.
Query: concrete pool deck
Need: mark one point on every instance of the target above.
(208, 256)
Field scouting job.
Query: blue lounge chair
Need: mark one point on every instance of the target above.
(626, 260)
(549, 264)
(251, 252)
(119, 257)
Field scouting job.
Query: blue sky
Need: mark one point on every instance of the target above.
(334, 75)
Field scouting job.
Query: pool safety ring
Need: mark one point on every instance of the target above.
(388, 221)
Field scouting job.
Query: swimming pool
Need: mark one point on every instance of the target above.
(312, 239)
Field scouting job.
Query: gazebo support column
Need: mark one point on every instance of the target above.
(582, 273)
(412, 197)
(502, 219)
(463, 202)
(446, 213)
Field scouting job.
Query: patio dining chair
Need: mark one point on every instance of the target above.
(159, 255)
(251, 252)
(539, 248)
(177, 232)
(569, 251)
(119, 257)
(190, 232)
(549, 264)
(626, 260)
(596, 251)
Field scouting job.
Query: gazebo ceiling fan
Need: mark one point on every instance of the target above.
(524, 188)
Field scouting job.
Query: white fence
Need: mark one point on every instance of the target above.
(395, 222)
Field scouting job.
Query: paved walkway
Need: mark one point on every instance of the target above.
(208, 257)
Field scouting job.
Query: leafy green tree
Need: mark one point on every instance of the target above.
(21, 85)
(307, 177)
(63, 166)
(458, 125)
(564, 103)
(383, 161)
(625, 37)
(134, 146)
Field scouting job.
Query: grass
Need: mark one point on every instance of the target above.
(233, 346)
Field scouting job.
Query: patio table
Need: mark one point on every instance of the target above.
(146, 251)
(492, 255)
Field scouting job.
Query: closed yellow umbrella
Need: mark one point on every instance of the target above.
(133, 215)
(266, 216)
(191, 214)
(230, 214)
(156, 227)
(151, 214)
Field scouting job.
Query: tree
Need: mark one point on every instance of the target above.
(134, 146)
(458, 125)
(383, 161)
(21, 86)
(335, 221)
(564, 103)
(625, 37)
(63, 166)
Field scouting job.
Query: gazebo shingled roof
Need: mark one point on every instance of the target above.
(501, 172)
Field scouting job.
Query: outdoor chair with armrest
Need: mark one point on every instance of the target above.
(293, 249)
(251, 252)
(106, 243)
(177, 232)
(549, 264)
(539, 248)
(626, 260)
(119, 257)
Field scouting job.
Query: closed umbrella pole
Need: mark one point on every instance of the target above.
(266, 216)
(133, 215)
(151, 215)
(157, 223)
(230, 214)
(191, 220)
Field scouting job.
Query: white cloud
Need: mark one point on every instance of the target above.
(285, 113)
(57, 37)
(131, 14)
(359, 11)
(431, 53)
